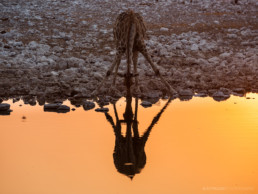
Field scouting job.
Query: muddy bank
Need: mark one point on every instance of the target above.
(204, 48)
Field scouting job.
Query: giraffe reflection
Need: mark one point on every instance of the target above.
(129, 155)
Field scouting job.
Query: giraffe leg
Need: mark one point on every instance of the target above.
(115, 62)
(144, 52)
(116, 70)
(135, 60)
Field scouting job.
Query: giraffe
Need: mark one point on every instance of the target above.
(129, 152)
(129, 32)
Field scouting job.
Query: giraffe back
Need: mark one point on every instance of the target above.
(123, 25)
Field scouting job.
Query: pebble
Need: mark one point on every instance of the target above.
(163, 29)
(186, 93)
(146, 104)
(52, 106)
(194, 47)
(63, 108)
(88, 105)
(102, 109)
(4, 107)
(220, 96)
(239, 90)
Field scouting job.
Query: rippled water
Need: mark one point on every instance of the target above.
(196, 146)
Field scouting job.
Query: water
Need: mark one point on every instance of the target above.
(196, 146)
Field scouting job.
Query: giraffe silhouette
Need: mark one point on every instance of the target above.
(129, 154)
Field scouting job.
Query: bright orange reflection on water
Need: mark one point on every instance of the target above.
(198, 146)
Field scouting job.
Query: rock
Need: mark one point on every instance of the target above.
(194, 47)
(201, 94)
(52, 106)
(220, 96)
(88, 105)
(187, 92)
(41, 100)
(214, 60)
(98, 76)
(102, 110)
(33, 45)
(146, 104)
(63, 108)
(163, 29)
(239, 90)
(4, 107)
(224, 55)
(232, 36)
(56, 107)
(7, 112)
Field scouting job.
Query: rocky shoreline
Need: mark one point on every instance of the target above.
(209, 50)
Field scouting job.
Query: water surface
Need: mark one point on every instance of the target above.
(196, 146)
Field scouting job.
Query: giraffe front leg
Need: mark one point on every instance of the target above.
(156, 70)
(115, 62)
(135, 61)
(116, 70)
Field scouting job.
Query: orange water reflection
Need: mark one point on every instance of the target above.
(198, 146)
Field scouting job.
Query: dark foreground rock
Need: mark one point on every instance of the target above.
(57, 107)
(146, 104)
(102, 109)
(88, 105)
(4, 107)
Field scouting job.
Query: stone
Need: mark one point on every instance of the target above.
(146, 104)
(7, 112)
(194, 47)
(88, 105)
(239, 90)
(33, 45)
(187, 92)
(4, 107)
(52, 106)
(63, 108)
(102, 110)
(163, 29)
(220, 96)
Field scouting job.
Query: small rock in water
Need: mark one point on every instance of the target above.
(102, 110)
(56, 107)
(88, 105)
(146, 104)
(186, 93)
(220, 96)
(63, 108)
(239, 90)
(52, 106)
(4, 107)
(201, 95)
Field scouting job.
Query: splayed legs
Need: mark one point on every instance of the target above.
(109, 72)
(155, 69)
